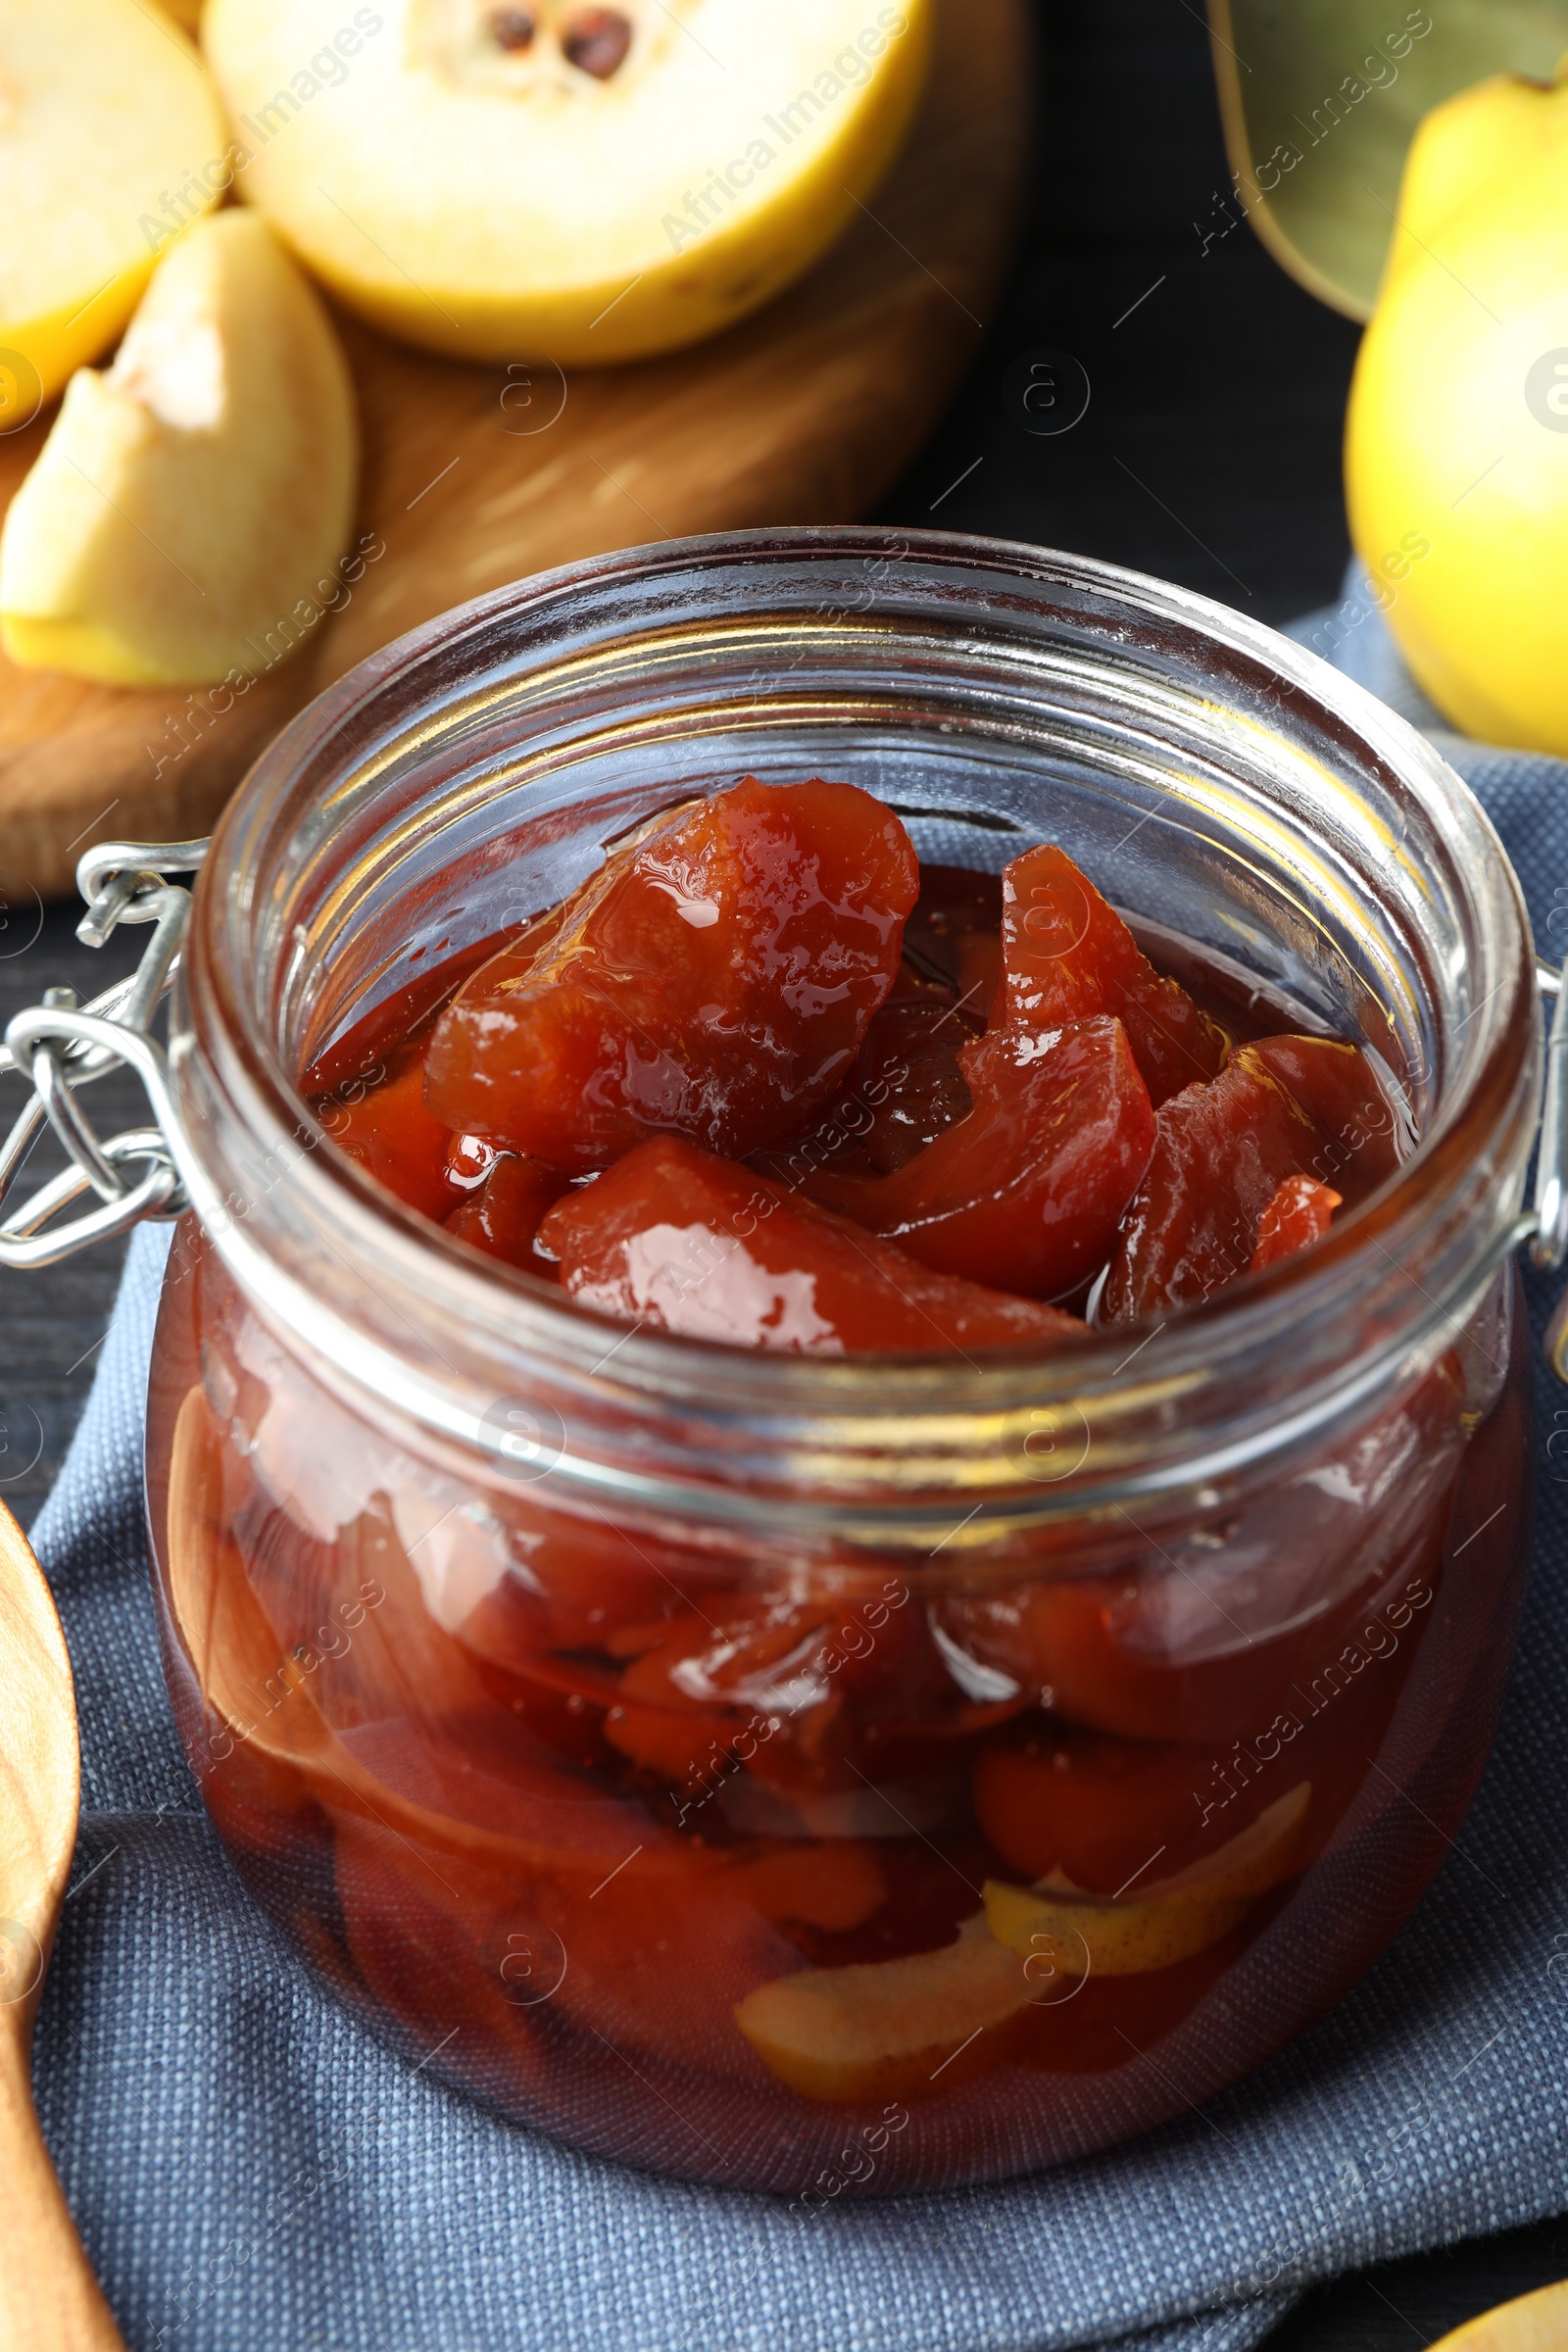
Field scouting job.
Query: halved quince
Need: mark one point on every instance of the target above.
(1070, 1932)
(586, 183)
(185, 514)
(110, 137)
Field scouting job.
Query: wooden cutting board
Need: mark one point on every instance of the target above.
(806, 413)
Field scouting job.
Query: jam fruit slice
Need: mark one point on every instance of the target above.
(367, 1088)
(504, 1213)
(910, 1077)
(810, 1697)
(1166, 1920)
(1111, 1815)
(582, 1582)
(674, 1237)
(835, 1884)
(1150, 1650)
(907, 1085)
(1066, 956)
(1286, 1107)
(1334, 1086)
(388, 1130)
(716, 978)
(1026, 1193)
(1297, 1216)
(406, 1942)
(955, 931)
(883, 2029)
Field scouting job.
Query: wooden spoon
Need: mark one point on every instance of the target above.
(49, 2298)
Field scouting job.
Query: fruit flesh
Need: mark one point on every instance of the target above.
(857, 1808)
(1067, 955)
(1167, 1920)
(106, 110)
(1283, 1107)
(1534, 2323)
(855, 2035)
(769, 914)
(1024, 1192)
(186, 518)
(767, 975)
(1299, 1215)
(676, 1238)
(503, 1215)
(493, 199)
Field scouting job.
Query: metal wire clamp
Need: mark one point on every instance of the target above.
(60, 1049)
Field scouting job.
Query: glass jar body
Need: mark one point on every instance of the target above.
(841, 1778)
(686, 1853)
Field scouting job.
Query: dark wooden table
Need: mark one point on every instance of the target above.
(1209, 453)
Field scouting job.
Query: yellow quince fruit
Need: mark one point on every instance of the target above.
(1537, 2322)
(1457, 440)
(111, 140)
(584, 184)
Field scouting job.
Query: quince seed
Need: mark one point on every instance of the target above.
(511, 28)
(597, 41)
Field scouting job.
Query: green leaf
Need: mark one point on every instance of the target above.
(1321, 99)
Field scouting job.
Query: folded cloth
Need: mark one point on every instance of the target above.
(252, 2173)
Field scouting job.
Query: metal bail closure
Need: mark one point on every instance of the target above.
(61, 1048)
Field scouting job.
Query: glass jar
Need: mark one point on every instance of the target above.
(841, 1776)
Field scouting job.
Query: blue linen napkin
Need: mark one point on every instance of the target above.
(252, 2173)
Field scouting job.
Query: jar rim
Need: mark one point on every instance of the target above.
(825, 1420)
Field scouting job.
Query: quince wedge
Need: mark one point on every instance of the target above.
(111, 139)
(582, 184)
(184, 518)
(1060, 1930)
(1456, 436)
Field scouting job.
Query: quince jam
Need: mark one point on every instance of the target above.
(781, 1862)
(763, 1081)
